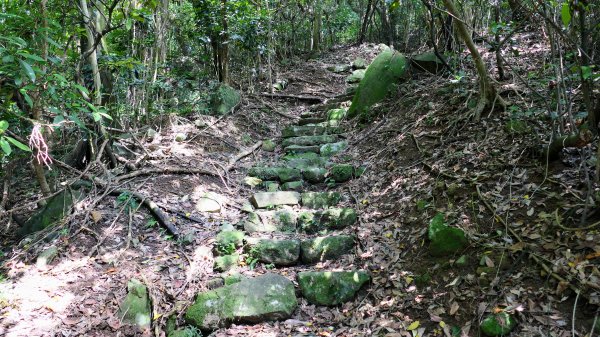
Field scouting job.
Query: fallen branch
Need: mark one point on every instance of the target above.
(578, 140)
(165, 170)
(242, 155)
(313, 99)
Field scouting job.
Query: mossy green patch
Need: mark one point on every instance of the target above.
(226, 262)
(224, 99)
(320, 199)
(55, 210)
(268, 145)
(500, 324)
(326, 248)
(309, 140)
(342, 172)
(328, 150)
(314, 175)
(331, 288)
(277, 252)
(386, 70)
(293, 186)
(445, 240)
(136, 307)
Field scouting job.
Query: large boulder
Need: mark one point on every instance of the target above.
(387, 69)
(223, 99)
(268, 297)
(445, 240)
(136, 308)
(331, 288)
(427, 62)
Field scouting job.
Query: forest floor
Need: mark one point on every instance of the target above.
(424, 155)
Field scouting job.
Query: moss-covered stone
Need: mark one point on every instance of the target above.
(308, 130)
(320, 199)
(136, 307)
(356, 76)
(283, 221)
(427, 62)
(186, 332)
(283, 174)
(342, 172)
(302, 161)
(445, 240)
(336, 114)
(306, 220)
(224, 99)
(270, 199)
(331, 288)
(386, 70)
(233, 279)
(311, 120)
(359, 63)
(328, 150)
(314, 175)
(296, 149)
(500, 324)
(268, 145)
(339, 68)
(326, 248)
(309, 140)
(55, 210)
(330, 219)
(230, 238)
(226, 262)
(293, 186)
(264, 298)
(277, 252)
(271, 186)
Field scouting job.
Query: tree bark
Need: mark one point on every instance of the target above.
(365, 24)
(488, 96)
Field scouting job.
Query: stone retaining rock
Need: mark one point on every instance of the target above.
(331, 288)
(309, 140)
(308, 130)
(277, 252)
(269, 199)
(264, 298)
(326, 248)
(320, 199)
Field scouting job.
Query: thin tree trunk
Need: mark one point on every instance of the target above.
(365, 25)
(488, 96)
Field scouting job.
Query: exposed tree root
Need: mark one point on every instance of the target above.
(309, 99)
(242, 155)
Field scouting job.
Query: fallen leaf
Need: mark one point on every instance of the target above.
(414, 325)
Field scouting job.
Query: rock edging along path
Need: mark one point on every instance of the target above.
(291, 221)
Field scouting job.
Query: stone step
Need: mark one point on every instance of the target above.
(311, 120)
(331, 288)
(328, 150)
(302, 149)
(318, 200)
(270, 199)
(268, 297)
(279, 252)
(326, 248)
(297, 186)
(304, 160)
(289, 221)
(309, 140)
(309, 130)
(314, 175)
(283, 174)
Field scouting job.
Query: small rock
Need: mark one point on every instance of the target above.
(445, 240)
(320, 199)
(356, 76)
(293, 186)
(136, 307)
(46, 257)
(342, 172)
(336, 114)
(272, 221)
(228, 241)
(268, 145)
(500, 324)
(333, 148)
(326, 248)
(271, 186)
(180, 137)
(226, 262)
(269, 199)
(331, 288)
(267, 297)
(461, 261)
(151, 133)
(359, 63)
(252, 181)
(208, 205)
(339, 68)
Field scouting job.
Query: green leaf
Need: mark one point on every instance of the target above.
(18, 144)
(28, 70)
(128, 24)
(586, 72)
(565, 14)
(96, 116)
(32, 57)
(27, 97)
(3, 125)
(8, 59)
(82, 89)
(5, 146)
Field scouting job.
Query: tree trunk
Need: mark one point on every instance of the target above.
(488, 96)
(92, 57)
(316, 28)
(365, 24)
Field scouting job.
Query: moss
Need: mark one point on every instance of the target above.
(326, 248)
(55, 210)
(278, 252)
(320, 199)
(268, 145)
(314, 175)
(342, 172)
(226, 262)
(293, 186)
(338, 218)
(331, 288)
(136, 307)
(283, 174)
(224, 99)
(336, 114)
(309, 140)
(228, 238)
(500, 324)
(331, 149)
(387, 69)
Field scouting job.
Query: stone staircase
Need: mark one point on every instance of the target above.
(291, 221)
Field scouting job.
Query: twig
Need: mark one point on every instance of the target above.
(313, 99)
(595, 224)
(242, 155)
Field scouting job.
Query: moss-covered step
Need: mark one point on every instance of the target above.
(283, 174)
(328, 150)
(386, 70)
(311, 120)
(330, 219)
(342, 172)
(445, 240)
(283, 221)
(302, 161)
(331, 288)
(320, 199)
(276, 252)
(293, 186)
(270, 199)
(302, 149)
(268, 297)
(326, 248)
(314, 175)
(336, 114)
(309, 130)
(309, 140)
